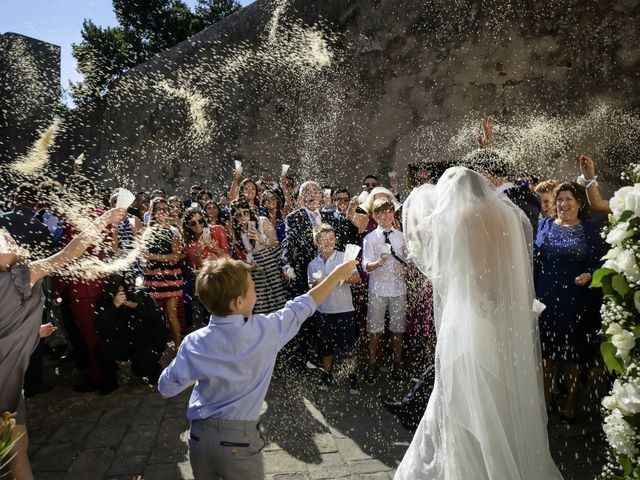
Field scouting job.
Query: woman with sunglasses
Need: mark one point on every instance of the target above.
(248, 191)
(163, 275)
(254, 240)
(202, 239)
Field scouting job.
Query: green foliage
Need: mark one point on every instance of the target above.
(599, 275)
(620, 285)
(613, 363)
(146, 28)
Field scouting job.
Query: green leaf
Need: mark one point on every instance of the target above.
(620, 285)
(598, 275)
(607, 287)
(636, 331)
(626, 215)
(612, 362)
(626, 464)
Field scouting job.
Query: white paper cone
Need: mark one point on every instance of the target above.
(317, 275)
(238, 166)
(125, 198)
(363, 197)
(327, 192)
(351, 252)
(285, 168)
(393, 174)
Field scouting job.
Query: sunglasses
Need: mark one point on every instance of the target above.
(342, 199)
(371, 184)
(193, 223)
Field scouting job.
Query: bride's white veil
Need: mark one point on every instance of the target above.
(473, 245)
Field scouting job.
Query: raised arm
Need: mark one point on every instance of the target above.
(588, 171)
(76, 247)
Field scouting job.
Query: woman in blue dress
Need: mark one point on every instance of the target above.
(567, 250)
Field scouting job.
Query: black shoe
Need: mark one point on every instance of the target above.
(354, 389)
(392, 406)
(371, 375)
(326, 379)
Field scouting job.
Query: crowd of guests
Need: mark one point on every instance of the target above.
(292, 236)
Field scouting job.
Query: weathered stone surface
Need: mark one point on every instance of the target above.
(95, 460)
(406, 76)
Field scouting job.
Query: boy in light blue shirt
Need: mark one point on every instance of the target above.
(231, 362)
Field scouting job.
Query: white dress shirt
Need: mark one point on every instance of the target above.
(339, 300)
(386, 280)
(314, 217)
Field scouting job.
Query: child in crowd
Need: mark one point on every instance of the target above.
(231, 362)
(335, 318)
(385, 258)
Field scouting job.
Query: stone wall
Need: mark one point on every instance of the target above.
(29, 91)
(408, 81)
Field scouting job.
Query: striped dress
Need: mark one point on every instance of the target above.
(161, 279)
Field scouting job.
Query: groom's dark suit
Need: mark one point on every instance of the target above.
(528, 201)
(297, 252)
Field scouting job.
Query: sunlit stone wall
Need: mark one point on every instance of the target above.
(29, 91)
(342, 88)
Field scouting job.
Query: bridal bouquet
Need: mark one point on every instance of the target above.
(619, 279)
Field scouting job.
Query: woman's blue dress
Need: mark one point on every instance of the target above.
(569, 325)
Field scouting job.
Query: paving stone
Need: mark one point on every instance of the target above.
(171, 431)
(350, 450)
(140, 440)
(106, 435)
(71, 432)
(51, 476)
(117, 416)
(162, 471)
(287, 476)
(129, 465)
(178, 410)
(369, 466)
(184, 470)
(280, 461)
(54, 457)
(331, 466)
(325, 443)
(94, 460)
(147, 415)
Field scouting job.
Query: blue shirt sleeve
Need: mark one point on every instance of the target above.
(288, 319)
(178, 375)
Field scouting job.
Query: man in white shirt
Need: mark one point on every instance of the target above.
(385, 258)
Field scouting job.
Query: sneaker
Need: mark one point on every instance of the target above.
(370, 375)
(325, 381)
(354, 389)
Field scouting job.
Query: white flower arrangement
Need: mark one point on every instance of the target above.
(619, 279)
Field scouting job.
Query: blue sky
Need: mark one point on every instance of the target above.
(59, 22)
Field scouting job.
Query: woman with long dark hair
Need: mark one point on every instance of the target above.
(270, 202)
(163, 275)
(254, 240)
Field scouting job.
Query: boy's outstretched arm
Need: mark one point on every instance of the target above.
(177, 376)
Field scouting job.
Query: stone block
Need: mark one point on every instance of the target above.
(140, 440)
(351, 450)
(129, 465)
(280, 461)
(162, 471)
(54, 457)
(331, 466)
(71, 432)
(369, 466)
(106, 435)
(325, 443)
(148, 415)
(91, 463)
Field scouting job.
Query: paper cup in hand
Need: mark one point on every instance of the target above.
(317, 275)
(393, 174)
(363, 197)
(80, 159)
(351, 252)
(238, 167)
(125, 198)
(327, 192)
(285, 168)
(386, 249)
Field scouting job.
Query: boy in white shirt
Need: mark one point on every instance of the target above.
(385, 258)
(335, 317)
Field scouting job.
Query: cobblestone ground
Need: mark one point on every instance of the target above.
(134, 433)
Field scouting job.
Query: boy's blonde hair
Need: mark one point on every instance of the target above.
(547, 186)
(318, 230)
(220, 281)
(383, 205)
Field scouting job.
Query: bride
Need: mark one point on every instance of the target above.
(486, 417)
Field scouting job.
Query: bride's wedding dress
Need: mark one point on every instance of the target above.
(486, 417)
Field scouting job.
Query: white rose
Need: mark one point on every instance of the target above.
(619, 233)
(627, 265)
(609, 402)
(613, 329)
(613, 253)
(632, 200)
(618, 201)
(627, 396)
(620, 434)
